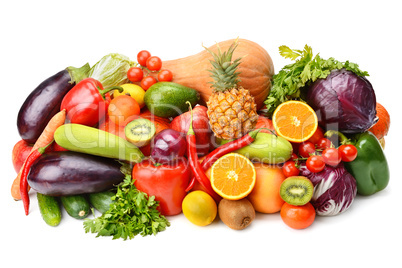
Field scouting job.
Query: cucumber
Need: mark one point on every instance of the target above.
(168, 99)
(49, 208)
(89, 140)
(76, 206)
(101, 201)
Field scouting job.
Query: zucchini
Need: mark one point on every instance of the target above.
(49, 208)
(90, 140)
(101, 201)
(76, 206)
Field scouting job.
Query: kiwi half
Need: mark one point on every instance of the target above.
(296, 190)
(139, 131)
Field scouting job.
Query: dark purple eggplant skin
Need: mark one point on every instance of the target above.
(71, 173)
(42, 104)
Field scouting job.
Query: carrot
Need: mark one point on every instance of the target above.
(44, 139)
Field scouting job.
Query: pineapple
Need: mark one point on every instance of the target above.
(232, 111)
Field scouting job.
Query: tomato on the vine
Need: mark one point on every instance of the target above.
(154, 63)
(306, 148)
(315, 163)
(135, 74)
(142, 57)
(331, 156)
(289, 169)
(147, 82)
(348, 152)
(165, 76)
(324, 143)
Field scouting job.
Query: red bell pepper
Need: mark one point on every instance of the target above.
(167, 182)
(85, 103)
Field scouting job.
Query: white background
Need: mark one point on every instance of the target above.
(40, 38)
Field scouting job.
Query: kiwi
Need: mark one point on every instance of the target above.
(297, 190)
(237, 214)
(139, 131)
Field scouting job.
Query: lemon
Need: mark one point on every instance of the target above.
(135, 91)
(199, 208)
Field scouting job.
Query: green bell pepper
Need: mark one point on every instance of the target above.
(370, 168)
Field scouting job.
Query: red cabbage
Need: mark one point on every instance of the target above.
(334, 189)
(343, 101)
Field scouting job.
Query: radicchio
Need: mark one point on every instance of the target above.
(334, 189)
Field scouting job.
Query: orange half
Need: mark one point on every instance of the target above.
(295, 121)
(233, 176)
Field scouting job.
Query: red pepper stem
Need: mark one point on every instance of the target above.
(107, 90)
(190, 128)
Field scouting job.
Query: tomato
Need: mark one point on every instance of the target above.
(199, 208)
(142, 57)
(154, 63)
(289, 169)
(318, 134)
(298, 217)
(167, 182)
(315, 163)
(331, 156)
(306, 149)
(135, 74)
(324, 143)
(123, 109)
(147, 82)
(165, 76)
(348, 152)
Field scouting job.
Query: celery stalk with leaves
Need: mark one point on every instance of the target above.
(306, 68)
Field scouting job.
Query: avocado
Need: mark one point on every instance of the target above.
(168, 99)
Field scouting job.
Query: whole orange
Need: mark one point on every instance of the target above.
(380, 129)
(265, 195)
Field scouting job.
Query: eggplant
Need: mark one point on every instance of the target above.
(71, 173)
(45, 100)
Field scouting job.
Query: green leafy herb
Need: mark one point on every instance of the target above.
(288, 83)
(132, 213)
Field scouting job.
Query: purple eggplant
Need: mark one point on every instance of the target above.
(71, 173)
(45, 100)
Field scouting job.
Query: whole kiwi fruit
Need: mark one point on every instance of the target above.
(237, 214)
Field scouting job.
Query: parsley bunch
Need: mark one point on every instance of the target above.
(131, 213)
(288, 83)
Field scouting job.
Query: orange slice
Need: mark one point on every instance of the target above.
(233, 176)
(295, 121)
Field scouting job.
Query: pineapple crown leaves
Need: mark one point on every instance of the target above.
(224, 72)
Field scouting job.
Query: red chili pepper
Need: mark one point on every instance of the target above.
(24, 175)
(195, 165)
(229, 147)
(85, 102)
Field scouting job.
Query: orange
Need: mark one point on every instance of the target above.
(233, 176)
(380, 129)
(265, 196)
(295, 121)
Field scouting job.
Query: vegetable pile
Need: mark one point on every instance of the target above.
(134, 143)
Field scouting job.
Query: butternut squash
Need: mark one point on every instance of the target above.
(256, 70)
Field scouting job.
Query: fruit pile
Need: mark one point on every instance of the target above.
(202, 145)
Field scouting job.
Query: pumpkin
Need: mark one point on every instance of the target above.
(256, 70)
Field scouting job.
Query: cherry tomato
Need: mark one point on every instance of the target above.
(318, 134)
(306, 148)
(298, 217)
(324, 143)
(147, 82)
(135, 74)
(123, 109)
(154, 63)
(315, 163)
(348, 152)
(331, 156)
(165, 75)
(289, 169)
(142, 57)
